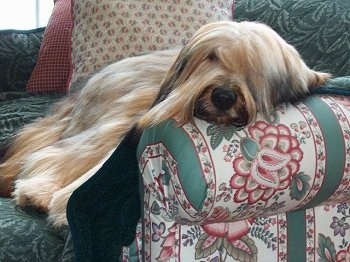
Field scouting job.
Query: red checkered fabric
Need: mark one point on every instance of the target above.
(53, 69)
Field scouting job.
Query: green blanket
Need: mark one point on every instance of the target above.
(104, 211)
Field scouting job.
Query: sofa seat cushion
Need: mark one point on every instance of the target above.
(20, 108)
(26, 236)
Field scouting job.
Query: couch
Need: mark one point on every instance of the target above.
(216, 213)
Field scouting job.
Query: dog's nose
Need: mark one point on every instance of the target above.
(223, 98)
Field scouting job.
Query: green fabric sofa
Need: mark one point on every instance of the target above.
(24, 234)
(319, 29)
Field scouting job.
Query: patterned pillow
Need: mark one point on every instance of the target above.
(108, 30)
(53, 68)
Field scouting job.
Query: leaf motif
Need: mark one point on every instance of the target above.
(228, 132)
(249, 148)
(216, 136)
(243, 250)
(299, 186)
(264, 235)
(155, 208)
(207, 245)
(326, 249)
(218, 133)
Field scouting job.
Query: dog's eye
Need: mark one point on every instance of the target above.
(212, 57)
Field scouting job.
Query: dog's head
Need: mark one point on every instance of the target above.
(227, 72)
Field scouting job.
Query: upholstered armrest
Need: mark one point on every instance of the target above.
(19, 50)
(207, 173)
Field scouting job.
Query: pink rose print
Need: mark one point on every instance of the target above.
(270, 158)
(231, 231)
(220, 214)
(223, 240)
(343, 255)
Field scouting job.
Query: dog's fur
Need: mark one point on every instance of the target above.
(225, 74)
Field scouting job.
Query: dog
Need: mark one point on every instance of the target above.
(225, 74)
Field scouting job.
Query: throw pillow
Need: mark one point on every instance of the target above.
(108, 30)
(53, 68)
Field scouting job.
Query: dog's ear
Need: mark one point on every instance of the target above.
(172, 76)
(294, 78)
(299, 73)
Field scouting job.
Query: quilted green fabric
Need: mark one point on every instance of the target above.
(320, 30)
(20, 108)
(18, 54)
(25, 236)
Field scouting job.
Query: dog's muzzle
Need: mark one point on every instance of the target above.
(222, 108)
(223, 98)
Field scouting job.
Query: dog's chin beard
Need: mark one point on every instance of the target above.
(214, 116)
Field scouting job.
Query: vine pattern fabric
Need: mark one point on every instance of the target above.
(319, 30)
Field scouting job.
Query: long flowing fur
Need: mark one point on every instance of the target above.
(54, 155)
(81, 129)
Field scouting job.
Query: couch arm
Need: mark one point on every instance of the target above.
(18, 54)
(299, 160)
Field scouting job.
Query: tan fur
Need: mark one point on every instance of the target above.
(53, 156)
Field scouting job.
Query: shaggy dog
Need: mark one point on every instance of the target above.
(225, 74)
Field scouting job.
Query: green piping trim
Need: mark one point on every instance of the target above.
(183, 150)
(296, 232)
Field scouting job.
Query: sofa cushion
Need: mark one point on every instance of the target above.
(53, 68)
(105, 31)
(18, 54)
(318, 29)
(26, 236)
(20, 108)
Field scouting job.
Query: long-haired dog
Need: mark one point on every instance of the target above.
(225, 74)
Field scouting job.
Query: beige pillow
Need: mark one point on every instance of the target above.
(107, 30)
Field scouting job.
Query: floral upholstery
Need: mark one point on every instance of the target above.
(215, 193)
